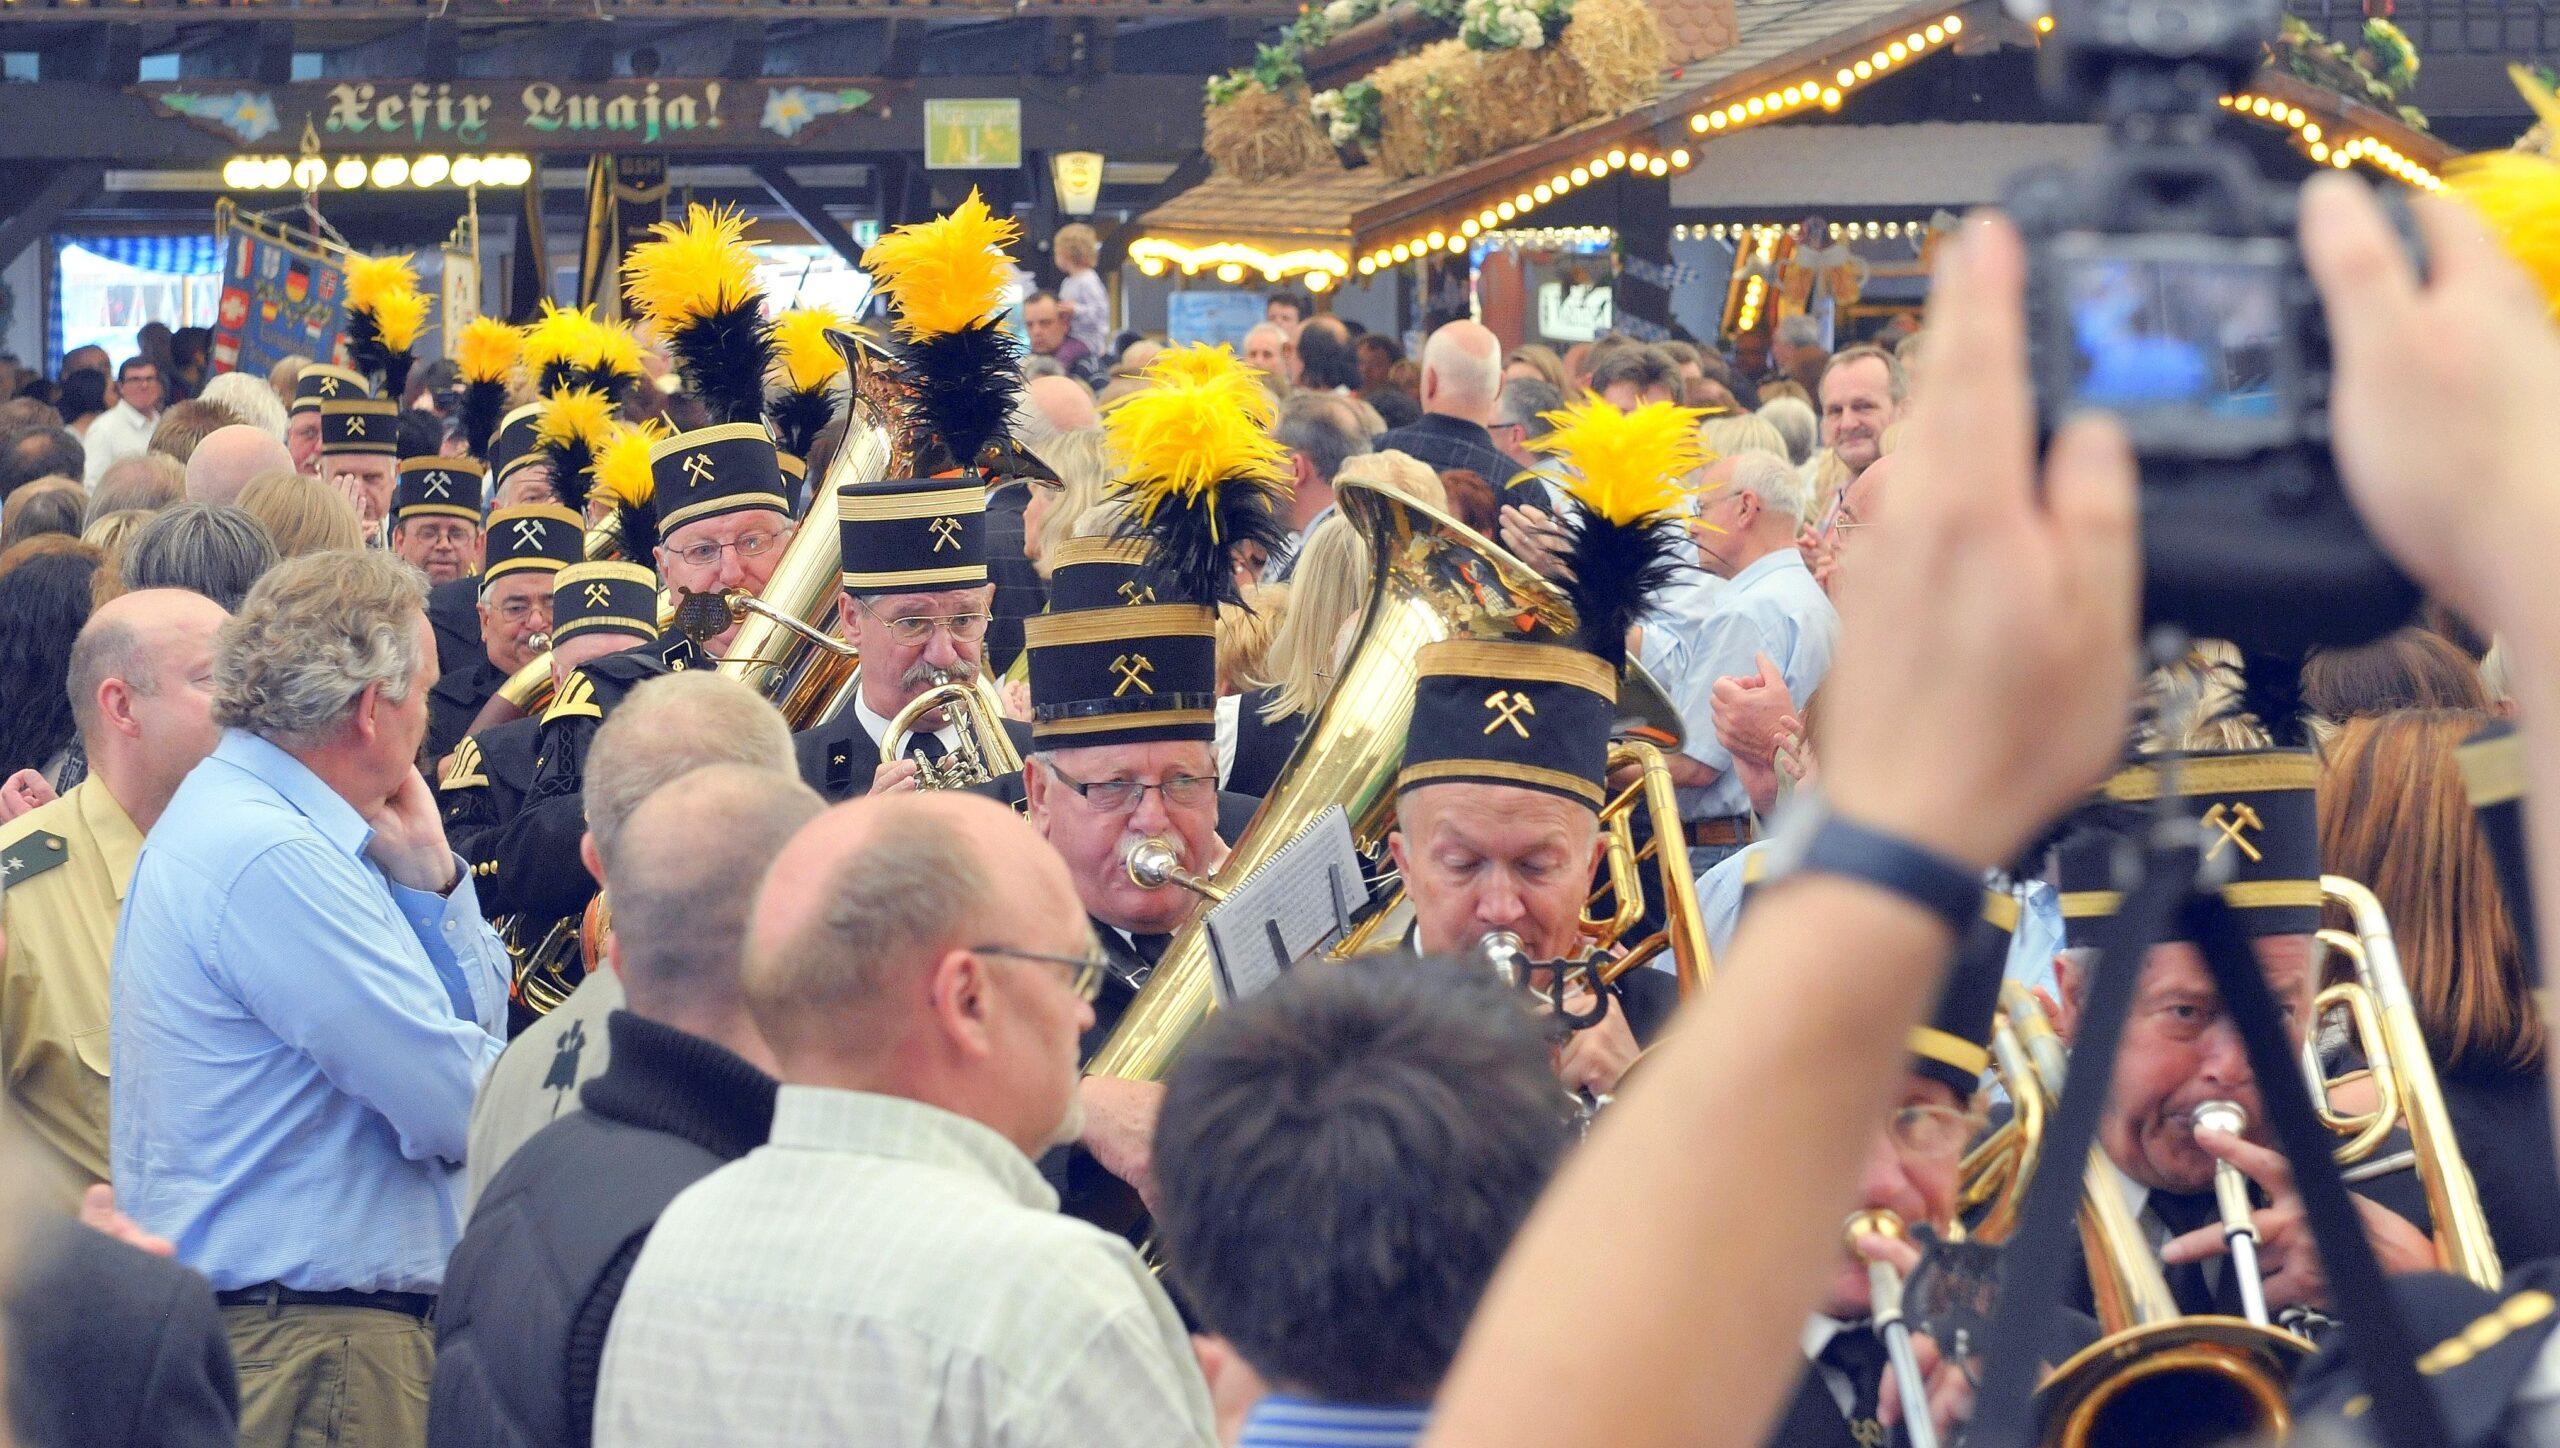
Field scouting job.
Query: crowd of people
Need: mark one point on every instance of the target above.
(444, 1001)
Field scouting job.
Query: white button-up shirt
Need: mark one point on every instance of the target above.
(888, 1273)
(120, 432)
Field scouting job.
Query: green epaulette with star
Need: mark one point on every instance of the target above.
(22, 860)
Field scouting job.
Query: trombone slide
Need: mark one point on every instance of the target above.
(1884, 1310)
(2231, 1203)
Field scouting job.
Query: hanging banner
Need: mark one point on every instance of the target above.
(283, 294)
(542, 115)
(460, 296)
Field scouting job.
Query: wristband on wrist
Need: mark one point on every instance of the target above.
(1813, 840)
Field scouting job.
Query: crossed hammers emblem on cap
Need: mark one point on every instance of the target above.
(946, 534)
(1131, 668)
(355, 426)
(1508, 705)
(2234, 822)
(598, 595)
(697, 469)
(439, 485)
(529, 532)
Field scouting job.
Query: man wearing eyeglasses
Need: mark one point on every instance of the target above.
(916, 603)
(724, 515)
(1846, 1398)
(526, 548)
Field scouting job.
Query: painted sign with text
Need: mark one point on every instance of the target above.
(537, 115)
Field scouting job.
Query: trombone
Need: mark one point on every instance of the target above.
(1884, 1308)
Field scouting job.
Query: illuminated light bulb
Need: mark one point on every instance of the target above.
(390, 171)
(1936, 33)
(1581, 176)
(1898, 51)
(1835, 231)
(1658, 167)
(1954, 24)
(1368, 266)
(1484, 218)
(2311, 131)
(1863, 70)
(240, 173)
(1560, 182)
(1639, 159)
(429, 170)
(1434, 240)
(2319, 151)
(466, 170)
(1715, 121)
(1880, 60)
(1506, 211)
(1755, 106)
(2341, 160)
(1791, 95)
(350, 173)
(1619, 158)
(1845, 77)
(1680, 159)
(276, 172)
(1913, 40)
(1520, 203)
(1831, 99)
(1403, 252)
(2044, 25)
(1319, 280)
(1735, 111)
(1468, 227)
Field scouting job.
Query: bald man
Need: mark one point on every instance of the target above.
(1461, 397)
(229, 457)
(141, 684)
(921, 969)
(1063, 402)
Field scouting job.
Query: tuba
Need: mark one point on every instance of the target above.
(985, 752)
(1431, 578)
(2405, 1089)
(2154, 1377)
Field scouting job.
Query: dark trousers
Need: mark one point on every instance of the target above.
(331, 1377)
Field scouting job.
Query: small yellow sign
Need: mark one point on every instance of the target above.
(972, 135)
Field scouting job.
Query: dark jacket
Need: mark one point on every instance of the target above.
(454, 610)
(455, 701)
(1446, 442)
(2503, 1122)
(110, 1346)
(485, 783)
(531, 1289)
(1262, 746)
(539, 871)
(838, 758)
(1020, 591)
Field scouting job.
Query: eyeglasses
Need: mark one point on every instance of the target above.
(517, 610)
(915, 628)
(1084, 973)
(749, 545)
(1119, 796)
(1930, 1133)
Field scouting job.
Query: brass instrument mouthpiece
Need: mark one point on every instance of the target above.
(1872, 1222)
(1153, 864)
(2227, 1116)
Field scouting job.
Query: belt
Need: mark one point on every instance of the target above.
(1722, 830)
(271, 1295)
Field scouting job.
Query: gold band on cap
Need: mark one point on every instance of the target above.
(442, 510)
(667, 447)
(1130, 551)
(2262, 773)
(2492, 769)
(1499, 771)
(1543, 663)
(1110, 625)
(469, 467)
(920, 580)
(1949, 1048)
(732, 503)
(867, 507)
(1119, 723)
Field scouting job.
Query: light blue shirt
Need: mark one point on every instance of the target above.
(1772, 607)
(1282, 1421)
(298, 1038)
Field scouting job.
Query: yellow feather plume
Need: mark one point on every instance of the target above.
(694, 269)
(574, 414)
(400, 317)
(559, 335)
(371, 278)
(613, 347)
(802, 354)
(2518, 193)
(1626, 467)
(947, 273)
(1204, 421)
(487, 350)
(623, 476)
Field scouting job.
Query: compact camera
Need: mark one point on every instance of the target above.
(2165, 288)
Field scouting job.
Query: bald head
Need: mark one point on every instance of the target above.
(1462, 372)
(229, 457)
(1065, 403)
(680, 909)
(863, 902)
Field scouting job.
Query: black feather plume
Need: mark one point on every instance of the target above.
(723, 357)
(2271, 688)
(962, 387)
(573, 471)
(798, 417)
(1619, 569)
(639, 532)
(484, 407)
(1195, 540)
(366, 350)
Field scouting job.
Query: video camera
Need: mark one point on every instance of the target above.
(2165, 287)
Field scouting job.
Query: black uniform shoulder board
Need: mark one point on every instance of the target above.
(464, 769)
(577, 700)
(24, 859)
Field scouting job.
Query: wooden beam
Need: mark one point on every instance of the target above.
(64, 189)
(808, 210)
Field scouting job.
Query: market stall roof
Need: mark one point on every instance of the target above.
(1788, 57)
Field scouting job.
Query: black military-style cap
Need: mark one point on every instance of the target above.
(2259, 810)
(513, 445)
(607, 595)
(543, 536)
(362, 425)
(1124, 674)
(1104, 573)
(913, 535)
(1506, 711)
(322, 383)
(714, 471)
(437, 487)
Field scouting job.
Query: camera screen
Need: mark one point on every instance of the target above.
(2195, 335)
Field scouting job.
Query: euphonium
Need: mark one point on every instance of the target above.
(985, 752)
(2154, 1377)
(1431, 579)
(2405, 1089)
(772, 653)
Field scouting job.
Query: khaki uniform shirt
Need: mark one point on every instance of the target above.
(68, 864)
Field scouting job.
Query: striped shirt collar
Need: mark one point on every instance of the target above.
(1280, 1421)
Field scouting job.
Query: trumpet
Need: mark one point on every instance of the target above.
(985, 751)
(2231, 1202)
(1884, 1309)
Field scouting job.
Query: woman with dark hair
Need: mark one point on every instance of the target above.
(2395, 815)
(1325, 363)
(2409, 669)
(1471, 500)
(44, 599)
(83, 400)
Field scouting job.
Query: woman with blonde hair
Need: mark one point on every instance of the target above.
(1541, 362)
(1327, 590)
(1051, 515)
(2395, 815)
(302, 513)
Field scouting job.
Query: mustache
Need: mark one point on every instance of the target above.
(919, 675)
